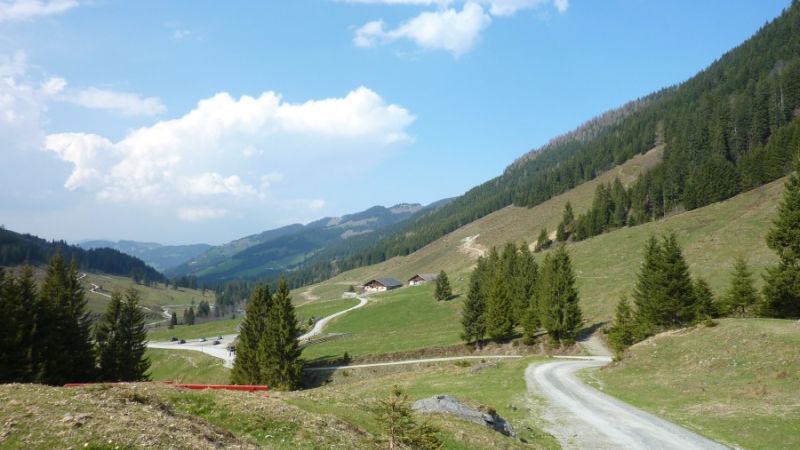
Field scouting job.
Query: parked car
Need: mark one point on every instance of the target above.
(215, 343)
(182, 341)
(202, 339)
(173, 339)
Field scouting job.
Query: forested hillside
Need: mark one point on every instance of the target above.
(160, 257)
(16, 249)
(730, 128)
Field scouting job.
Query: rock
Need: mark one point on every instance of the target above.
(482, 366)
(446, 404)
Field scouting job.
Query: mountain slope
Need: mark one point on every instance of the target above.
(17, 249)
(160, 257)
(273, 251)
(730, 128)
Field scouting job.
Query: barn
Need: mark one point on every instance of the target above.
(382, 284)
(422, 278)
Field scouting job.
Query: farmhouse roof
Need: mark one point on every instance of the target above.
(426, 276)
(387, 281)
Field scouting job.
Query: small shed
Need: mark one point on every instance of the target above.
(422, 278)
(382, 284)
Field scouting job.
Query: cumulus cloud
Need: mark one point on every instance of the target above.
(200, 154)
(17, 10)
(21, 105)
(447, 28)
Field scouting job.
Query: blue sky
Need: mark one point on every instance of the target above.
(204, 121)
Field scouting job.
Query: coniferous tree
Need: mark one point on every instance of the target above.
(13, 355)
(31, 336)
(122, 339)
(443, 290)
(173, 320)
(188, 316)
(543, 241)
(568, 219)
(527, 274)
(782, 282)
(499, 304)
(246, 367)
(278, 350)
(473, 320)
(561, 232)
(400, 428)
(664, 296)
(705, 302)
(623, 332)
(63, 332)
(741, 296)
(558, 299)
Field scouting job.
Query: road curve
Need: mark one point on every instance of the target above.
(582, 417)
(411, 361)
(320, 324)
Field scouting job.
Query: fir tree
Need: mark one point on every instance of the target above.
(782, 282)
(623, 333)
(188, 316)
(526, 276)
(499, 305)
(31, 335)
(400, 429)
(443, 290)
(107, 340)
(741, 296)
(561, 232)
(705, 303)
(568, 219)
(246, 367)
(173, 320)
(558, 299)
(473, 321)
(278, 350)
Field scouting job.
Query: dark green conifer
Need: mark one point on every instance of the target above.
(443, 290)
(246, 367)
(623, 332)
(278, 350)
(558, 299)
(742, 295)
(473, 320)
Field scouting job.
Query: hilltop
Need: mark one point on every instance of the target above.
(160, 257)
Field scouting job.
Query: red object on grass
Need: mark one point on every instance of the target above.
(226, 387)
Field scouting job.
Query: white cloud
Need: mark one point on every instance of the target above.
(54, 86)
(201, 213)
(316, 204)
(446, 29)
(21, 105)
(125, 103)
(200, 153)
(16, 10)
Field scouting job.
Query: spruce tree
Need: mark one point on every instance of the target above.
(623, 332)
(558, 299)
(741, 296)
(246, 368)
(499, 305)
(568, 219)
(12, 355)
(527, 274)
(31, 335)
(561, 232)
(543, 241)
(122, 339)
(443, 290)
(63, 327)
(782, 282)
(473, 321)
(706, 304)
(278, 350)
(664, 296)
(188, 316)
(173, 320)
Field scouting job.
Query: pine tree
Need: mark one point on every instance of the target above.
(173, 320)
(443, 290)
(706, 304)
(568, 219)
(473, 321)
(782, 282)
(623, 333)
(558, 299)
(122, 339)
(188, 316)
(278, 350)
(12, 354)
(246, 368)
(400, 429)
(31, 336)
(561, 232)
(741, 296)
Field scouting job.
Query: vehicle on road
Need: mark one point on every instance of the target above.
(182, 341)
(173, 339)
(202, 339)
(215, 343)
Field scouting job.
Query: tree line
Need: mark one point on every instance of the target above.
(666, 296)
(508, 290)
(47, 336)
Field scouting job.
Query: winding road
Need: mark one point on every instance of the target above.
(221, 350)
(581, 417)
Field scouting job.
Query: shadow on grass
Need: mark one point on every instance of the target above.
(585, 333)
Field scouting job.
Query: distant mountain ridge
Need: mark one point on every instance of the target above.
(18, 248)
(266, 254)
(160, 257)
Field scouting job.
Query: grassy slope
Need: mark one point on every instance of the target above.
(186, 367)
(606, 265)
(501, 387)
(152, 297)
(737, 382)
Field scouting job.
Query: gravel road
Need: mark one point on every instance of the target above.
(582, 417)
